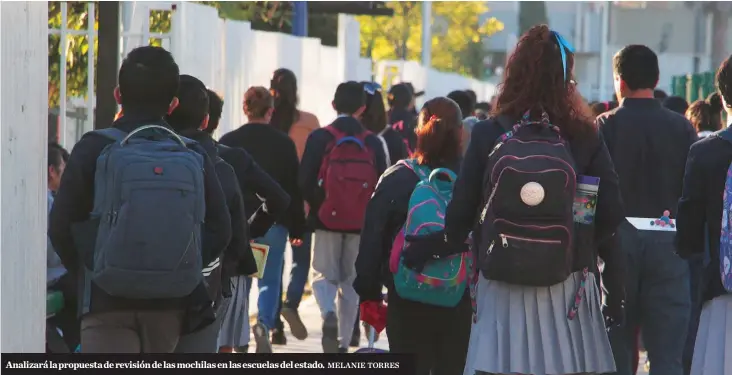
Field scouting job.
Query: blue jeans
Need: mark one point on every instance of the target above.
(269, 287)
(299, 272)
(657, 300)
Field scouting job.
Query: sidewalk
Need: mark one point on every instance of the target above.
(310, 315)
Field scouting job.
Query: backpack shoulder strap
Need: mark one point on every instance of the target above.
(421, 171)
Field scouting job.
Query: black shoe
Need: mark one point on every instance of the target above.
(297, 327)
(330, 333)
(242, 349)
(278, 337)
(342, 350)
(261, 338)
(356, 338)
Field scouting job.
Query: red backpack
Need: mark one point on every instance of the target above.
(348, 176)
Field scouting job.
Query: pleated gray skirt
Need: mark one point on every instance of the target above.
(713, 348)
(235, 327)
(525, 330)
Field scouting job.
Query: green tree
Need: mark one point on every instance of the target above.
(457, 34)
(78, 46)
(277, 16)
(531, 13)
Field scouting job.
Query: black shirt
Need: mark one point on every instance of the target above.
(648, 145)
(276, 154)
(699, 214)
(238, 257)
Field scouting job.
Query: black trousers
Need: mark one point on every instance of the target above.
(67, 319)
(438, 336)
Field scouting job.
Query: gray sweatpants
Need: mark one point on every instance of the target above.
(334, 271)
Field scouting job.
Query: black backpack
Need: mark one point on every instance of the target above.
(526, 229)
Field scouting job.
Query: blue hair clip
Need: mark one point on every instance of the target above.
(564, 47)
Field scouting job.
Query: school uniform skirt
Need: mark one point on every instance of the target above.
(525, 330)
(713, 348)
(235, 327)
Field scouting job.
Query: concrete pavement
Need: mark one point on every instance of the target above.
(310, 315)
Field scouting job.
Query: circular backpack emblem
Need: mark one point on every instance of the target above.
(532, 193)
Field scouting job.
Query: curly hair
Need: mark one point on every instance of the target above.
(534, 81)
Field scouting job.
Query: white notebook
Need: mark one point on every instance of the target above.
(648, 223)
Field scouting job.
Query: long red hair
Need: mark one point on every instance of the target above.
(534, 80)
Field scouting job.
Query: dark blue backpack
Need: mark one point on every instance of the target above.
(149, 197)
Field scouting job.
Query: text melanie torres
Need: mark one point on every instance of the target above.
(141, 364)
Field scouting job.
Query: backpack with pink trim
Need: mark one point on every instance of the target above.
(442, 282)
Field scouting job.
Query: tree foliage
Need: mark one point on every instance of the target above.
(457, 34)
(77, 57)
(277, 16)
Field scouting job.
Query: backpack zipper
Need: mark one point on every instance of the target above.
(505, 237)
(487, 204)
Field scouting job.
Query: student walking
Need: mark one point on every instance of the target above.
(256, 187)
(703, 227)
(127, 309)
(277, 155)
(402, 116)
(436, 333)
(706, 115)
(537, 289)
(339, 171)
(298, 125)
(188, 119)
(648, 144)
(374, 120)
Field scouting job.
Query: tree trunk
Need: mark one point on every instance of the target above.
(531, 13)
(720, 24)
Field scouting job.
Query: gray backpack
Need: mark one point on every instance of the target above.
(149, 196)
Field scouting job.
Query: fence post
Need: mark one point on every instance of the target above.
(107, 63)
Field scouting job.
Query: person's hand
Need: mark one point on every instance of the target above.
(420, 249)
(614, 312)
(295, 242)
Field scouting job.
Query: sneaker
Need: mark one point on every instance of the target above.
(297, 327)
(330, 333)
(261, 338)
(356, 337)
(278, 337)
(342, 350)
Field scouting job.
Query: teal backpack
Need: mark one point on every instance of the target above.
(442, 282)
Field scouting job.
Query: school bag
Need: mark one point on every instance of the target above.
(725, 239)
(526, 228)
(442, 282)
(348, 176)
(149, 196)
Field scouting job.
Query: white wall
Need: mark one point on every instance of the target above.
(229, 57)
(23, 133)
(434, 83)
